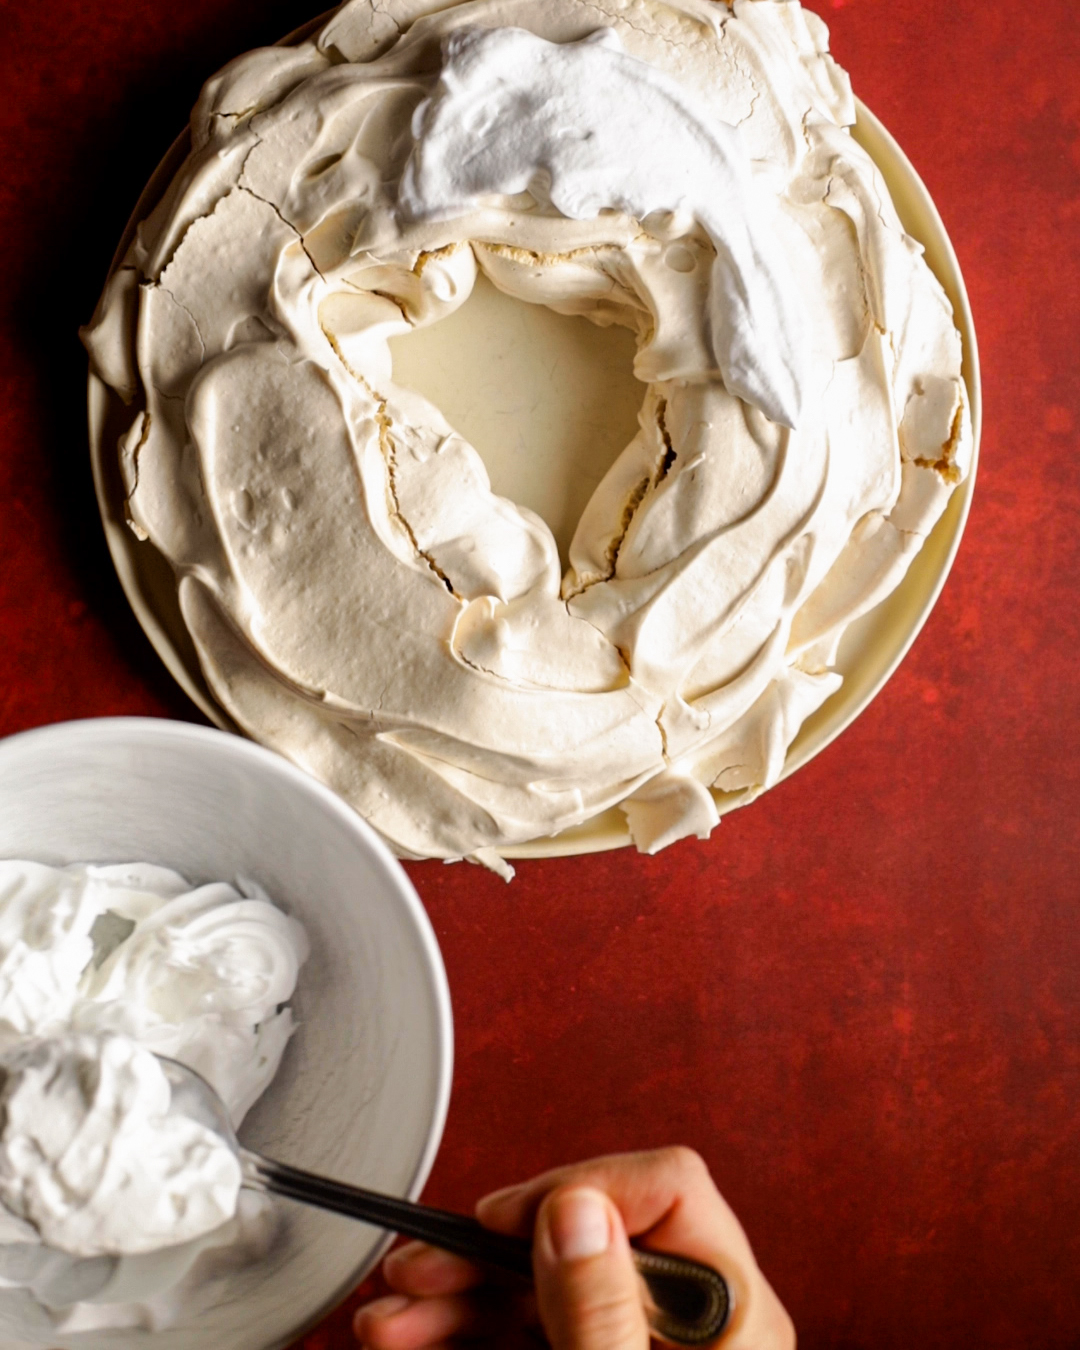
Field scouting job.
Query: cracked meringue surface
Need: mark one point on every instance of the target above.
(359, 598)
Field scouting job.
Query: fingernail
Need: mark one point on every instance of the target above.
(404, 1255)
(579, 1225)
(389, 1306)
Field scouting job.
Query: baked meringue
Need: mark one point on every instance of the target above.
(359, 598)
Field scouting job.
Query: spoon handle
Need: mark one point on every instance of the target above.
(688, 1303)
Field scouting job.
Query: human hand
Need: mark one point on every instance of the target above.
(587, 1295)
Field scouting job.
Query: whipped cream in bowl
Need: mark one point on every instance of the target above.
(91, 1161)
(329, 567)
(307, 988)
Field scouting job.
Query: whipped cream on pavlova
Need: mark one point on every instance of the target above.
(358, 597)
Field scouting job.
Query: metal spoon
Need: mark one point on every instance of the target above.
(687, 1303)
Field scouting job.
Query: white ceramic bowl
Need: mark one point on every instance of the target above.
(363, 1088)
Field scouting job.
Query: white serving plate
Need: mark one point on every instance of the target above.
(363, 1087)
(869, 653)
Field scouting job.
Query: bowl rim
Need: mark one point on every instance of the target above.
(53, 737)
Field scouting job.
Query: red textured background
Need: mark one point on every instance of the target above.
(861, 998)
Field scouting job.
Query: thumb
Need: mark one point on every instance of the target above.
(587, 1290)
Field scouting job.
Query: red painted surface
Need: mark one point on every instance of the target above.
(861, 998)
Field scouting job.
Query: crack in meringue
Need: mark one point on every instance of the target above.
(376, 584)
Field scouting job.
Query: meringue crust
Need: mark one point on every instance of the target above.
(358, 596)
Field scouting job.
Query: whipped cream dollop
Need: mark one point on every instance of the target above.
(358, 596)
(91, 1161)
(200, 974)
(514, 113)
(112, 1211)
